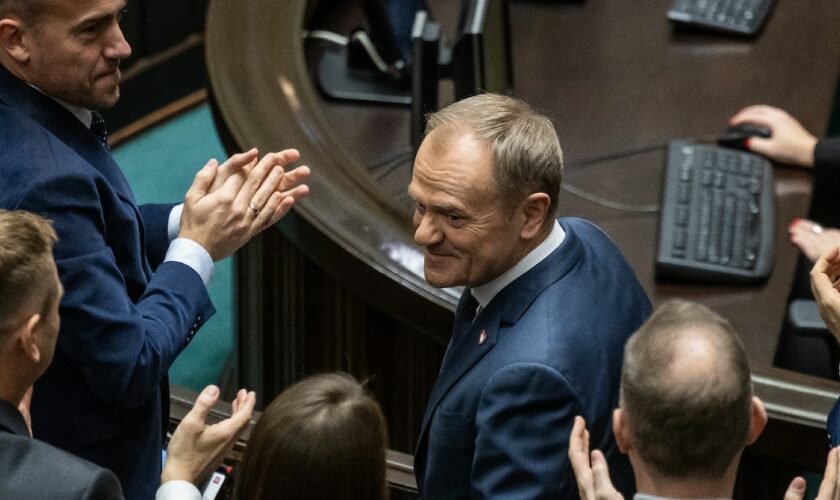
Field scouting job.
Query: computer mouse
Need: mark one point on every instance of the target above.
(736, 136)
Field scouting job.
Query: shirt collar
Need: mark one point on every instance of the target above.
(485, 293)
(83, 114)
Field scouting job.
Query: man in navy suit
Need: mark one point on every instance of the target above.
(29, 325)
(540, 329)
(135, 276)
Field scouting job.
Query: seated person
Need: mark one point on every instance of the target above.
(791, 144)
(685, 379)
(29, 325)
(323, 438)
(808, 352)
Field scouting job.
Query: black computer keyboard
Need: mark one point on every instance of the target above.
(718, 215)
(743, 17)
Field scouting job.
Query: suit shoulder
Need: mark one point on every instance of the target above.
(34, 469)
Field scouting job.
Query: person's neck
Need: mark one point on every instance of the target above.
(13, 382)
(690, 487)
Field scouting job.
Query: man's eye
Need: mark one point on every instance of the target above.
(420, 208)
(454, 218)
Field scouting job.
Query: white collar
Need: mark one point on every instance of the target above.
(485, 293)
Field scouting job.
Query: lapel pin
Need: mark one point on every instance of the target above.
(482, 338)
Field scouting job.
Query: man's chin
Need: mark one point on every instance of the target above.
(107, 100)
(439, 280)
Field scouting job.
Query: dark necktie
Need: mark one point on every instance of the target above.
(464, 313)
(97, 126)
(464, 316)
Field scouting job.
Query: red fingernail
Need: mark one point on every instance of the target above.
(795, 222)
(747, 143)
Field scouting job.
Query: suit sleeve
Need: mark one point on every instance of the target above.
(525, 414)
(123, 336)
(156, 220)
(103, 485)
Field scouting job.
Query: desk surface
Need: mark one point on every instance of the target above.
(614, 77)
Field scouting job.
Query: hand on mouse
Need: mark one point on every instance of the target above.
(790, 142)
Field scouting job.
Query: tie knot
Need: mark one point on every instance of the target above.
(467, 306)
(97, 126)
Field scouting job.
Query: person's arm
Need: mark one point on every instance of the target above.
(789, 143)
(126, 333)
(591, 471)
(524, 416)
(824, 284)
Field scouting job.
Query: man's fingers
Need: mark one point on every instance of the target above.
(232, 426)
(202, 181)
(601, 477)
(294, 177)
(205, 402)
(796, 490)
(828, 486)
(260, 198)
(579, 459)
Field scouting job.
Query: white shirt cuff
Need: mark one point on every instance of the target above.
(177, 490)
(174, 223)
(190, 253)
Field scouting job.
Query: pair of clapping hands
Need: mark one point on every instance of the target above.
(229, 204)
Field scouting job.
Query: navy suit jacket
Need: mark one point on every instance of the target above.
(833, 425)
(32, 469)
(498, 421)
(122, 324)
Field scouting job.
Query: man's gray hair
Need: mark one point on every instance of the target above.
(527, 157)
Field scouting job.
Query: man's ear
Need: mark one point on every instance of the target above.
(758, 419)
(12, 39)
(621, 429)
(27, 338)
(535, 210)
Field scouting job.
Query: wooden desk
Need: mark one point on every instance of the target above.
(614, 77)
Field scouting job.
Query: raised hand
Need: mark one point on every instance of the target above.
(829, 487)
(591, 471)
(196, 448)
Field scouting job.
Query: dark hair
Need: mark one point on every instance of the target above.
(686, 391)
(322, 438)
(527, 157)
(26, 264)
(29, 11)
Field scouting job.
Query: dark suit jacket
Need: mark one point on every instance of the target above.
(32, 469)
(833, 425)
(121, 324)
(498, 421)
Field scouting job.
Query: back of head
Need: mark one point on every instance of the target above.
(322, 438)
(527, 157)
(26, 266)
(686, 392)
